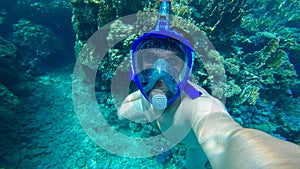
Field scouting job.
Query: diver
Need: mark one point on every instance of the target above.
(161, 64)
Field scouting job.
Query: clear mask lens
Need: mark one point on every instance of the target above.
(155, 66)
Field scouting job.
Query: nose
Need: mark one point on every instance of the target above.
(160, 85)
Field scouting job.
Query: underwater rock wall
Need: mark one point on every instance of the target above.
(41, 31)
(34, 37)
(257, 42)
(8, 62)
(35, 43)
(9, 103)
(90, 15)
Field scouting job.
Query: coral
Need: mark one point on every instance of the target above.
(37, 38)
(275, 60)
(249, 94)
(216, 73)
(36, 43)
(219, 18)
(89, 15)
(89, 56)
(257, 49)
(164, 157)
(105, 13)
(266, 127)
(287, 116)
(84, 19)
(232, 66)
(232, 89)
(54, 14)
(182, 8)
(118, 30)
(78, 47)
(265, 52)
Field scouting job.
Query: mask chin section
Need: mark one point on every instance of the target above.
(158, 87)
(159, 101)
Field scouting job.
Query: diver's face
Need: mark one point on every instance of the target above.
(159, 74)
(155, 54)
(163, 61)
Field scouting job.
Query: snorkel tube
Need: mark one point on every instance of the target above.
(163, 31)
(163, 17)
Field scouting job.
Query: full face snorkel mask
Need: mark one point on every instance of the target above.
(162, 58)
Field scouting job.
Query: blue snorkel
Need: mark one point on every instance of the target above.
(163, 18)
(163, 31)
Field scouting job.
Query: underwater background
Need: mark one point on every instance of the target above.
(258, 43)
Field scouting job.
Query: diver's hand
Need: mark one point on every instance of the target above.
(136, 108)
(132, 108)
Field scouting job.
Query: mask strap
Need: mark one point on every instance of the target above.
(191, 91)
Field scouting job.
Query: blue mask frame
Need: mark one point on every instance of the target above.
(163, 31)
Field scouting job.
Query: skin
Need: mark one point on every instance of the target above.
(133, 108)
(225, 143)
(152, 54)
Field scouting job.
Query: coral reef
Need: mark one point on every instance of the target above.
(90, 15)
(216, 73)
(256, 45)
(218, 19)
(36, 38)
(84, 19)
(263, 64)
(51, 13)
(41, 31)
(9, 76)
(36, 44)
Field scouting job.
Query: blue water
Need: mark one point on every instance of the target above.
(39, 127)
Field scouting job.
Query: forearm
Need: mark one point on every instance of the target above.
(232, 146)
(256, 149)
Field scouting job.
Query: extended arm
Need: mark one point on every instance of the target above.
(234, 147)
